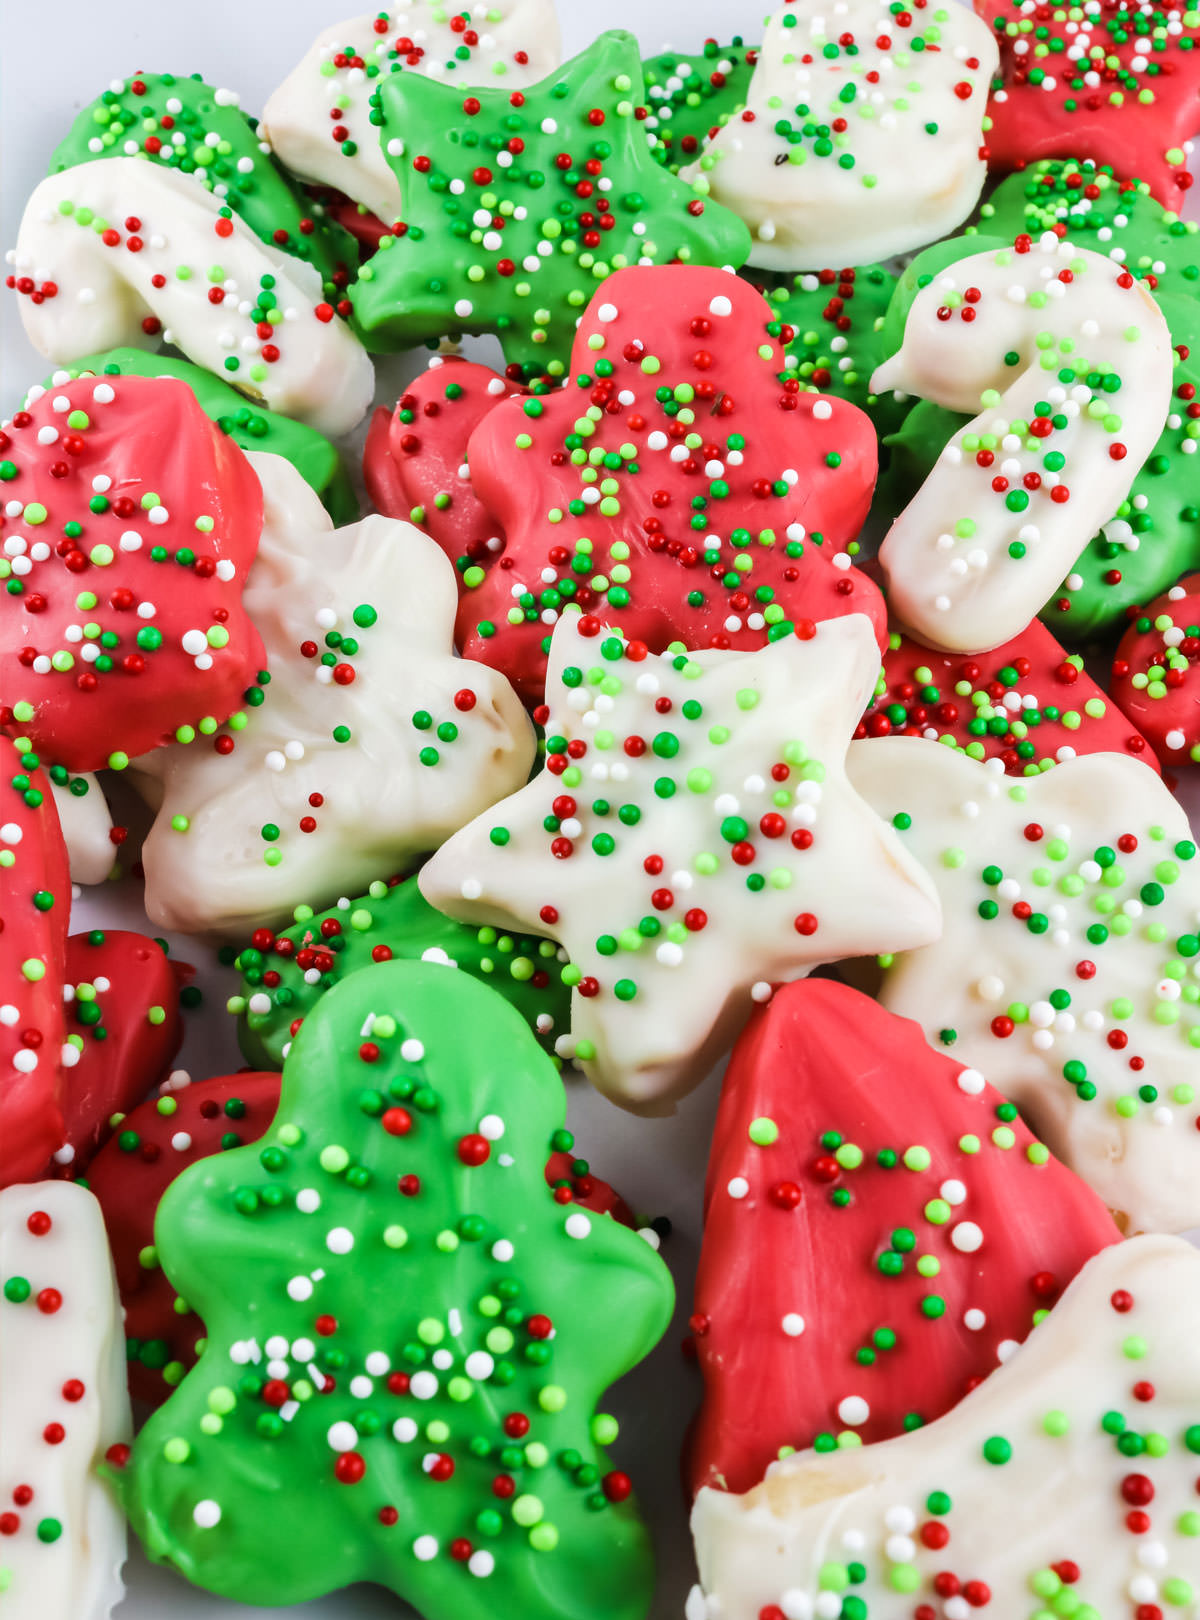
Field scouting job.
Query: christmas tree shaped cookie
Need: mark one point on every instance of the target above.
(406, 1332)
(1066, 967)
(1065, 1485)
(881, 1231)
(517, 204)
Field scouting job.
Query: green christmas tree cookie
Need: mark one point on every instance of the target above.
(252, 427)
(689, 95)
(285, 975)
(406, 1333)
(187, 125)
(517, 204)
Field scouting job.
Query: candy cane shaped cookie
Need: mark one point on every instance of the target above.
(1070, 358)
(120, 251)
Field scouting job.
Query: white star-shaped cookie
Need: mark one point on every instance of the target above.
(1064, 1484)
(369, 744)
(692, 840)
(1068, 970)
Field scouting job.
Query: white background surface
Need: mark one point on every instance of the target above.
(658, 1165)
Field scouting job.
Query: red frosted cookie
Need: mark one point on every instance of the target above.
(1118, 83)
(674, 486)
(123, 1020)
(1154, 675)
(881, 1230)
(1028, 703)
(35, 903)
(129, 523)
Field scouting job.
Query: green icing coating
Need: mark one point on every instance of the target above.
(394, 1232)
(1155, 533)
(187, 125)
(391, 918)
(252, 426)
(690, 95)
(497, 182)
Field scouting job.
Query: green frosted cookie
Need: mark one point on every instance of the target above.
(285, 975)
(507, 204)
(251, 426)
(184, 124)
(407, 1334)
(691, 94)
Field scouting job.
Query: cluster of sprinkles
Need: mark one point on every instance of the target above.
(462, 1429)
(949, 1228)
(836, 319)
(1027, 703)
(1102, 1397)
(1116, 79)
(1152, 671)
(516, 205)
(690, 98)
(120, 606)
(195, 129)
(285, 974)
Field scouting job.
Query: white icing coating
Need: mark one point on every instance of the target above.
(322, 376)
(77, 1574)
(1130, 983)
(1066, 1495)
(298, 121)
(906, 186)
(382, 807)
(696, 782)
(86, 823)
(952, 577)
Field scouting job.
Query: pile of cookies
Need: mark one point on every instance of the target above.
(570, 734)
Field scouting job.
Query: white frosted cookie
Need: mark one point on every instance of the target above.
(1070, 358)
(1065, 1484)
(692, 841)
(1068, 970)
(368, 744)
(862, 131)
(63, 1407)
(169, 247)
(507, 44)
(86, 824)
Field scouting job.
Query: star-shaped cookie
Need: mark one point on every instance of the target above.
(364, 744)
(1066, 968)
(692, 841)
(517, 205)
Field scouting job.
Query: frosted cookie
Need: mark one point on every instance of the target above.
(411, 1361)
(195, 129)
(1065, 1484)
(86, 823)
(129, 524)
(121, 251)
(1065, 969)
(251, 427)
(284, 975)
(64, 1408)
(861, 136)
(691, 96)
(1153, 678)
(1075, 387)
(881, 1231)
(362, 744)
(323, 120)
(1119, 84)
(690, 843)
(1028, 703)
(518, 243)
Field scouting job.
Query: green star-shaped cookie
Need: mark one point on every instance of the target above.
(507, 196)
(691, 94)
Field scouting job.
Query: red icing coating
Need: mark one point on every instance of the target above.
(32, 937)
(1043, 671)
(1171, 721)
(151, 440)
(822, 1058)
(114, 1074)
(366, 228)
(1033, 122)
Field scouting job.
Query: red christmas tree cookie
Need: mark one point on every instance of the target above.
(1154, 675)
